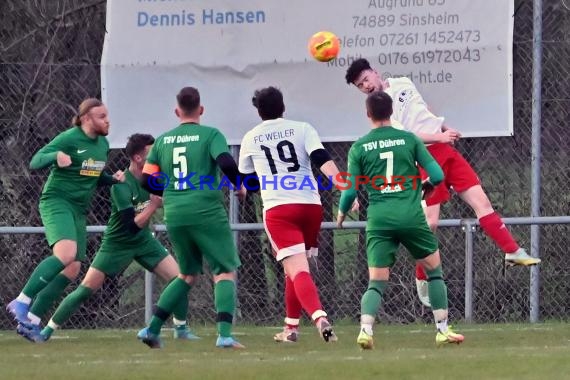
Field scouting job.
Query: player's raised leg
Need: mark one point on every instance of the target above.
(491, 222)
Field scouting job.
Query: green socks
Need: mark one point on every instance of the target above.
(46, 298)
(167, 303)
(42, 276)
(70, 304)
(437, 289)
(225, 302)
(181, 308)
(372, 297)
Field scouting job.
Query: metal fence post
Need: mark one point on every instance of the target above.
(148, 291)
(234, 219)
(468, 227)
(535, 157)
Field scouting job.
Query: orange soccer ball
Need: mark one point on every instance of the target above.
(324, 46)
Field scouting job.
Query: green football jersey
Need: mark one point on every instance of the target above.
(77, 182)
(387, 157)
(123, 196)
(187, 156)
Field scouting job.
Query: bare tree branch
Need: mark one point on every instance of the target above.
(44, 57)
(44, 24)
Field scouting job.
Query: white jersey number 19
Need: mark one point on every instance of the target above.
(291, 159)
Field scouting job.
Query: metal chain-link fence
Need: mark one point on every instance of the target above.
(49, 62)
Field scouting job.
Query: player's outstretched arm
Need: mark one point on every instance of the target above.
(106, 179)
(447, 137)
(50, 154)
(445, 128)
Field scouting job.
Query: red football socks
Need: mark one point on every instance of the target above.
(293, 307)
(307, 293)
(496, 230)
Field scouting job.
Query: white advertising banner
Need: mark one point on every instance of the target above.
(457, 52)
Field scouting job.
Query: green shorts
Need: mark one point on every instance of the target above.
(63, 221)
(113, 259)
(381, 245)
(210, 240)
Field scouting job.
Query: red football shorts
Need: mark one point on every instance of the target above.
(293, 228)
(457, 171)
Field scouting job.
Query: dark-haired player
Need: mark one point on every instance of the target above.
(411, 111)
(276, 150)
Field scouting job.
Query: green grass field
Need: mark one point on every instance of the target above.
(401, 352)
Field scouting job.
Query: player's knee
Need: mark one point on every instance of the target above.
(295, 264)
(65, 250)
(431, 262)
(435, 273)
(93, 279)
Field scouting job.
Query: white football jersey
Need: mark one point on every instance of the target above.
(278, 151)
(410, 109)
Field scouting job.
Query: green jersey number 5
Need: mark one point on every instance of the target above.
(180, 166)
